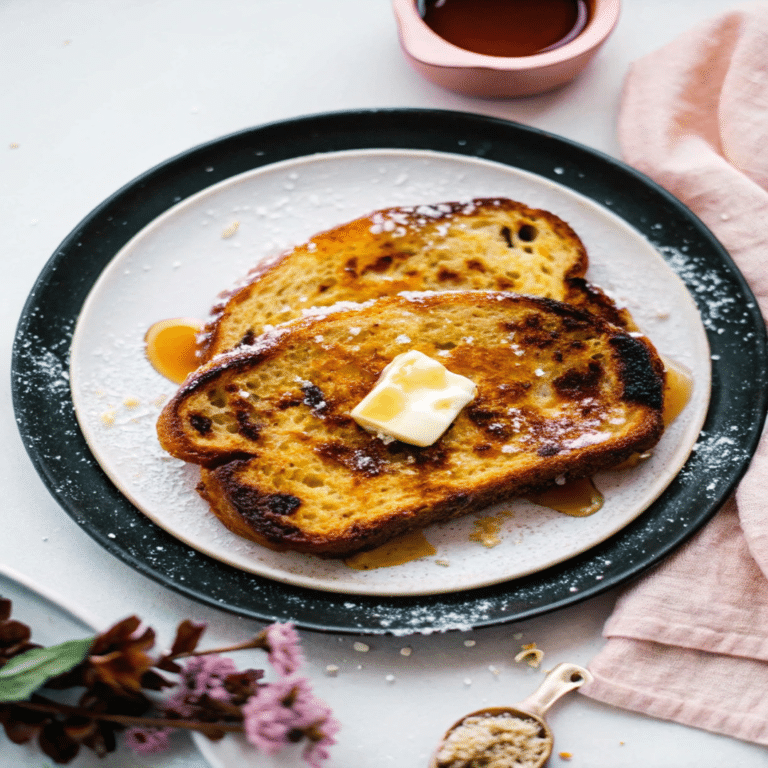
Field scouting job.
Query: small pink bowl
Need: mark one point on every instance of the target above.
(477, 74)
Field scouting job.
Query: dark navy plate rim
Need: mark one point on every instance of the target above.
(735, 330)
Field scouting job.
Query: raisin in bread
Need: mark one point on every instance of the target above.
(560, 393)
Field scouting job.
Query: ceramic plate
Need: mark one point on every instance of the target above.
(157, 249)
(168, 270)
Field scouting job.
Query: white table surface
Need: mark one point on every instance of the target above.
(94, 92)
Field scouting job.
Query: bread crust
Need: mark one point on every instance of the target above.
(561, 394)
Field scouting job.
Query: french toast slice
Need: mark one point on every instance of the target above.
(560, 394)
(483, 244)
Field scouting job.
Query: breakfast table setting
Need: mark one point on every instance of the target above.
(153, 154)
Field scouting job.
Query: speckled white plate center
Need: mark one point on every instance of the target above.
(177, 265)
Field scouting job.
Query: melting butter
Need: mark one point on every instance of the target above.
(414, 400)
(384, 406)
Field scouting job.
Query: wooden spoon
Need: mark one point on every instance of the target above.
(521, 726)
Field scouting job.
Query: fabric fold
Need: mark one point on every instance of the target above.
(695, 599)
(713, 692)
(689, 641)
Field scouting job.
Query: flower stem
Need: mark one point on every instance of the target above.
(153, 722)
(256, 642)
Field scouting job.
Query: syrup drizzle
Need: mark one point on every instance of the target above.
(171, 347)
(401, 550)
(576, 498)
(678, 387)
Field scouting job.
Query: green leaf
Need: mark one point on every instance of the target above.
(28, 671)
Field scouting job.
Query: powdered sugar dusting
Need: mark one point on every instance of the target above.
(109, 369)
(400, 220)
(339, 306)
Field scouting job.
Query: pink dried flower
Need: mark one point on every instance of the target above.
(202, 676)
(147, 741)
(267, 719)
(286, 711)
(309, 710)
(284, 648)
(321, 737)
(317, 751)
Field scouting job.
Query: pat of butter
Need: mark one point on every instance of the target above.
(415, 399)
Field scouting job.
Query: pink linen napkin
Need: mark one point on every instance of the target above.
(694, 117)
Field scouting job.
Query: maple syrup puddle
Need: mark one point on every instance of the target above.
(488, 529)
(171, 347)
(678, 387)
(576, 498)
(401, 550)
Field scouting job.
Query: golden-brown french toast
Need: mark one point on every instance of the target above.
(483, 244)
(560, 394)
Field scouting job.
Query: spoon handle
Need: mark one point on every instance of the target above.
(559, 681)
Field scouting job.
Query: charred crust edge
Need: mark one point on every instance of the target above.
(642, 378)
